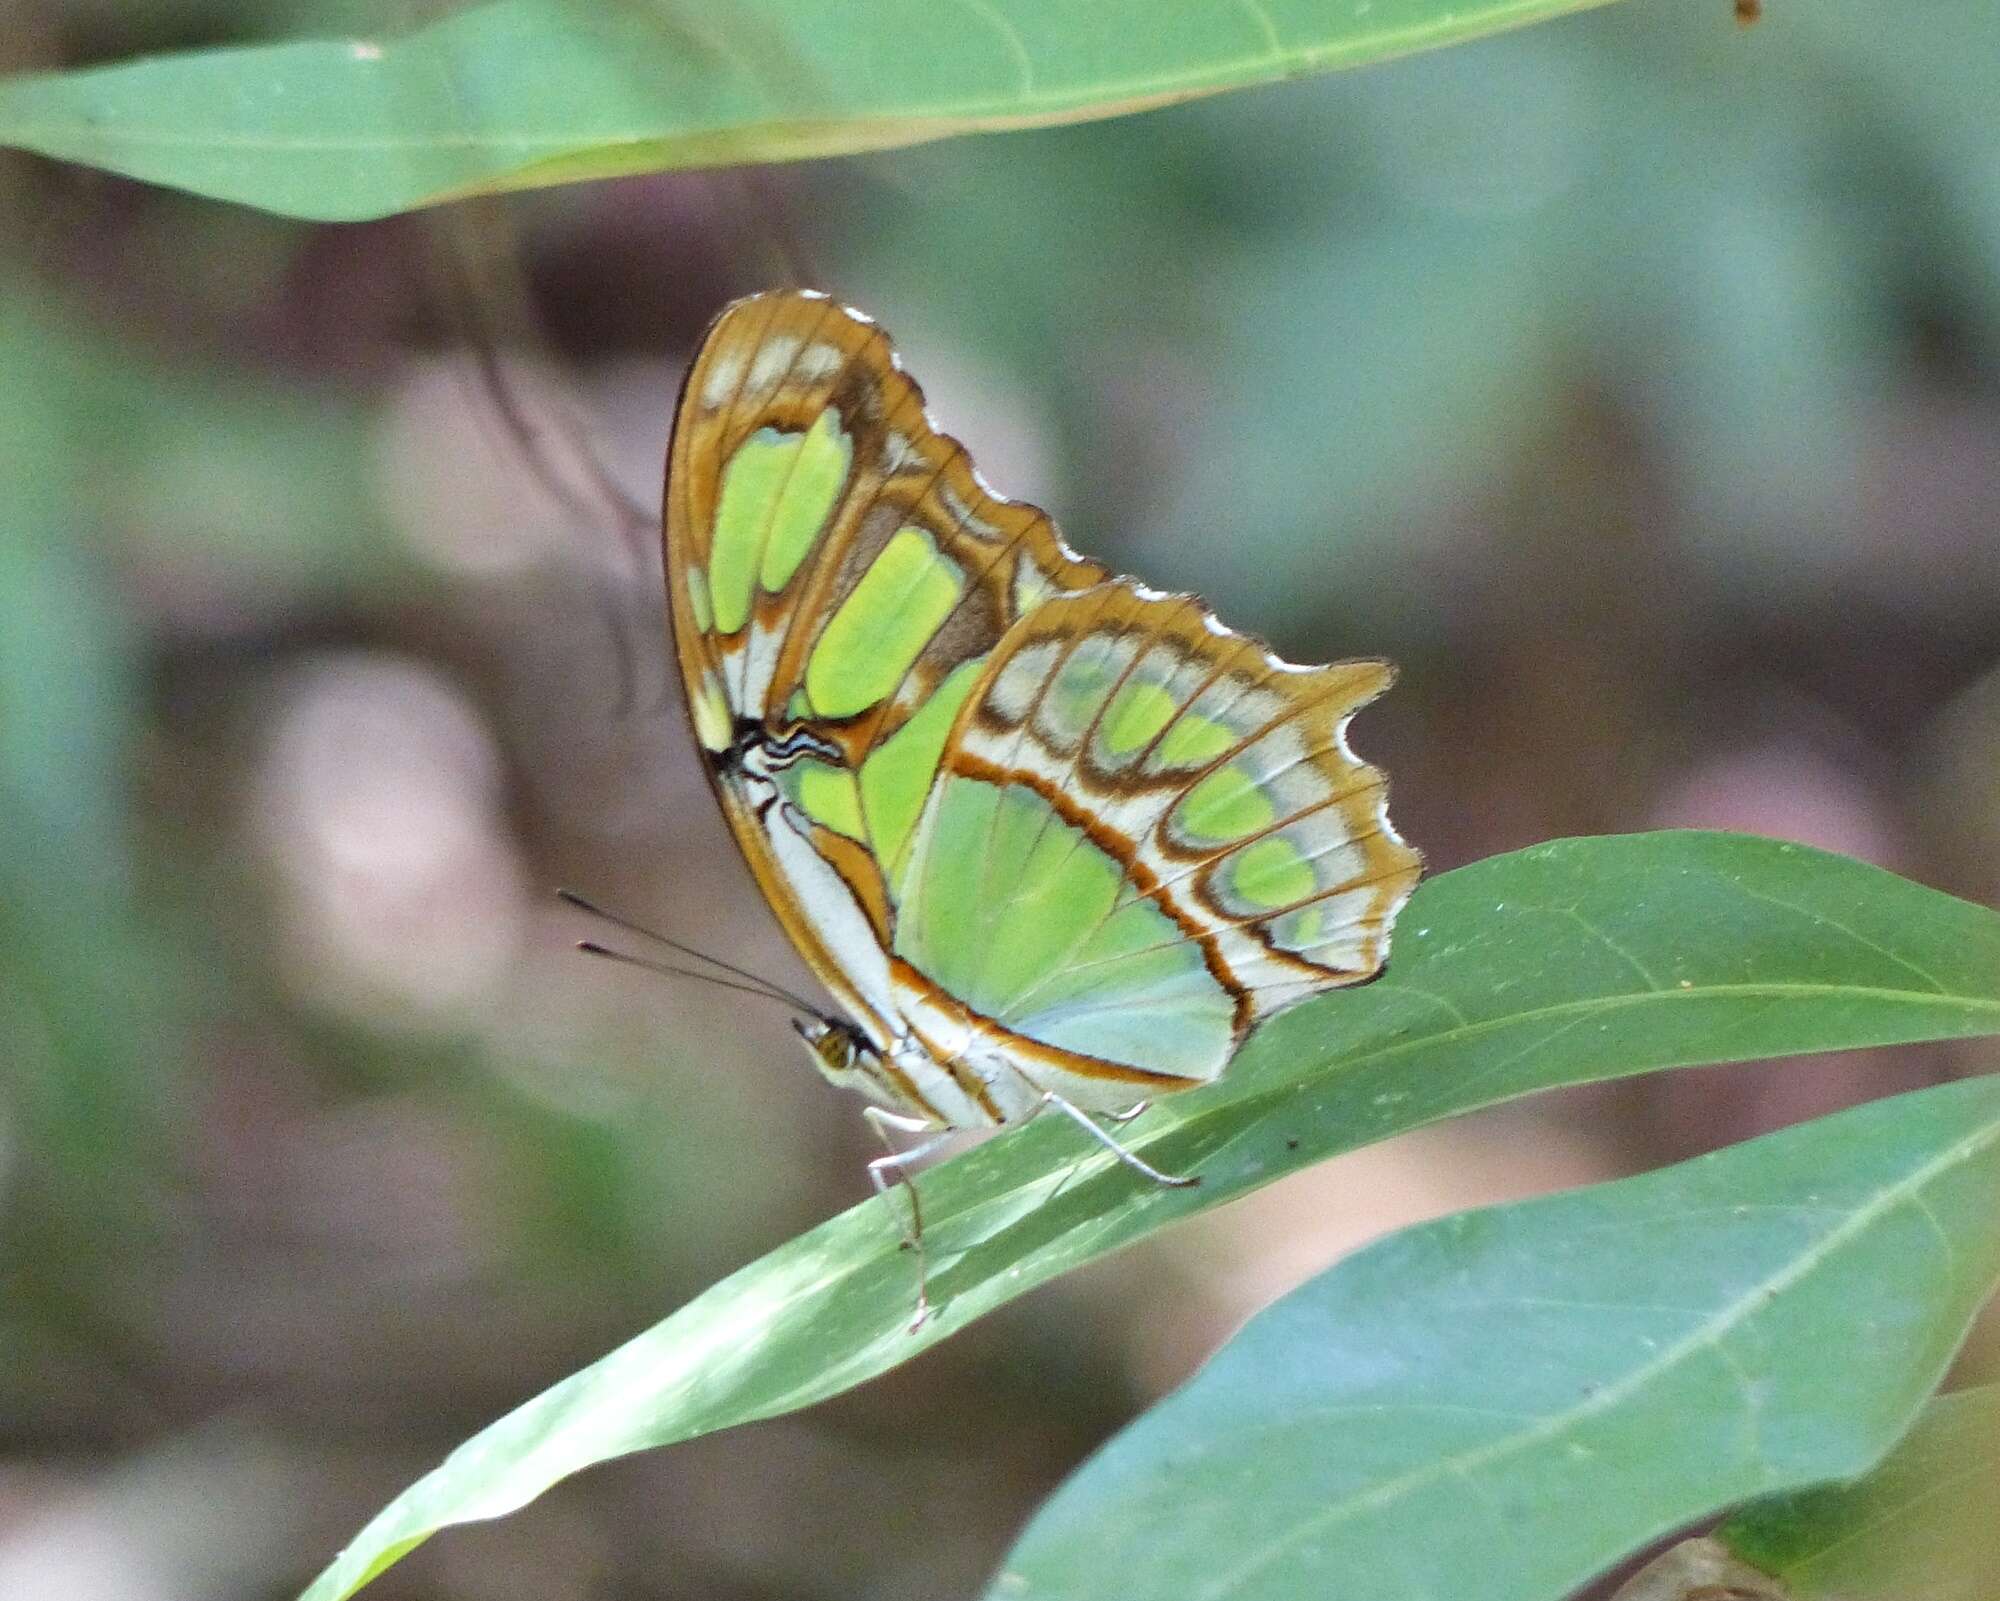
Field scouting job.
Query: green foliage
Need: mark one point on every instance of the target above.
(1922, 1523)
(1505, 1402)
(521, 93)
(1563, 964)
(95, 993)
(1395, 282)
(73, 957)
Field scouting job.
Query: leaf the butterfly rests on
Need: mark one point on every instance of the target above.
(1039, 829)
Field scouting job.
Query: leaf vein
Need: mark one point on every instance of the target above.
(1705, 1337)
(1610, 944)
(1854, 934)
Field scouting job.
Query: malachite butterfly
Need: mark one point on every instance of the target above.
(1050, 837)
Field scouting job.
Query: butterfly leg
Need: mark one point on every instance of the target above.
(881, 1120)
(1130, 1158)
(1120, 1119)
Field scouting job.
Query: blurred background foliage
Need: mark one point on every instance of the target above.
(1634, 381)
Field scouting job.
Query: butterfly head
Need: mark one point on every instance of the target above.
(845, 1056)
(838, 1049)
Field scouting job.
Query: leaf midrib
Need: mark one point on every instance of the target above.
(1705, 1335)
(1458, 1033)
(1418, 1117)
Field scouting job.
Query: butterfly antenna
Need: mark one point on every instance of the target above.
(481, 288)
(761, 985)
(487, 297)
(590, 947)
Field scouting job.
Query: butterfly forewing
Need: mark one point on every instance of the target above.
(1008, 807)
(831, 557)
(835, 571)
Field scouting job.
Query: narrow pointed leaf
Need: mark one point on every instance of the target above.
(1505, 1402)
(1583, 959)
(519, 93)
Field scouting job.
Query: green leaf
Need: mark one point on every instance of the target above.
(520, 93)
(86, 995)
(1584, 959)
(1926, 1522)
(1504, 1402)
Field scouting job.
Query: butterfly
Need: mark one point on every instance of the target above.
(1053, 839)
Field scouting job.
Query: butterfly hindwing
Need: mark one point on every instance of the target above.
(1148, 834)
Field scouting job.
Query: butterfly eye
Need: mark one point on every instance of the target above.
(836, 1050)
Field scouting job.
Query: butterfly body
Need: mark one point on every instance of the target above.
(1045, 834)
